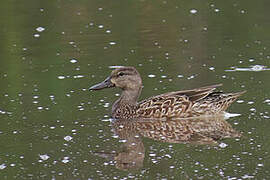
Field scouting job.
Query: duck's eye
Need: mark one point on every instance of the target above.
(121, 74)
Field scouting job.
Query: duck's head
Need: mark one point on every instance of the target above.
(124, 77)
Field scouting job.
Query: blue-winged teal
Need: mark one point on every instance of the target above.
(180, 104)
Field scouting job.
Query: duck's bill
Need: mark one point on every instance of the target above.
(105, 84)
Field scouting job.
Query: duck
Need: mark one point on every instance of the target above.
(198, 102)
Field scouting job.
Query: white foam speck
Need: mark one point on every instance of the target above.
(115, 67)
(112, 43)
(40, 29)
(223, 145)
(151, 75)
(61, 77)
(73, 60)
(2, 166)
(44, 157)
(193, 11)
(36, 35)
(68, 138)
(65, 160)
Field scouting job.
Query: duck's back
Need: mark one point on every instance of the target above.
(188, 103)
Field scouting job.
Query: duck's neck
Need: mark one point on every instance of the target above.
(130, 96)
(127, 98)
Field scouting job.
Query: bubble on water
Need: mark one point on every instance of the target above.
(40, 29)
(115, 136)
(106, 105)
(39, 107)
(78, 76)
(193, 11)
(36, 35)
(191, 77)
(68, 138)
(223, 145)
(252, 109)
(65, 160)
(205, 28)
(61, 77)
(242, 11)
(112, 43)
(44, 157)
(115, 67)
(2, 166)
(180, 76)
(122, 140)
(73, 60)
(151, 75)
(267, 101)
(246, 176)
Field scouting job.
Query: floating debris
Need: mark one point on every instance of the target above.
(254, 68)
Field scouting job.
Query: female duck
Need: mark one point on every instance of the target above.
(180, 104)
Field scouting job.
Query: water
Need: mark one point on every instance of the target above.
(51, 52)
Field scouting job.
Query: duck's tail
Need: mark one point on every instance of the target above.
(218, 102)
(225, 100)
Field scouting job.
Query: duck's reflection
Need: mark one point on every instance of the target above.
(207, 130)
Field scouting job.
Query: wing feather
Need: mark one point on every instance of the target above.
(173, 104)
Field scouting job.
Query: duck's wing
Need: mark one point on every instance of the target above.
(172, 104)
(193, 94)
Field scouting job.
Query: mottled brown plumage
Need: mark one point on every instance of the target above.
(180, 104)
